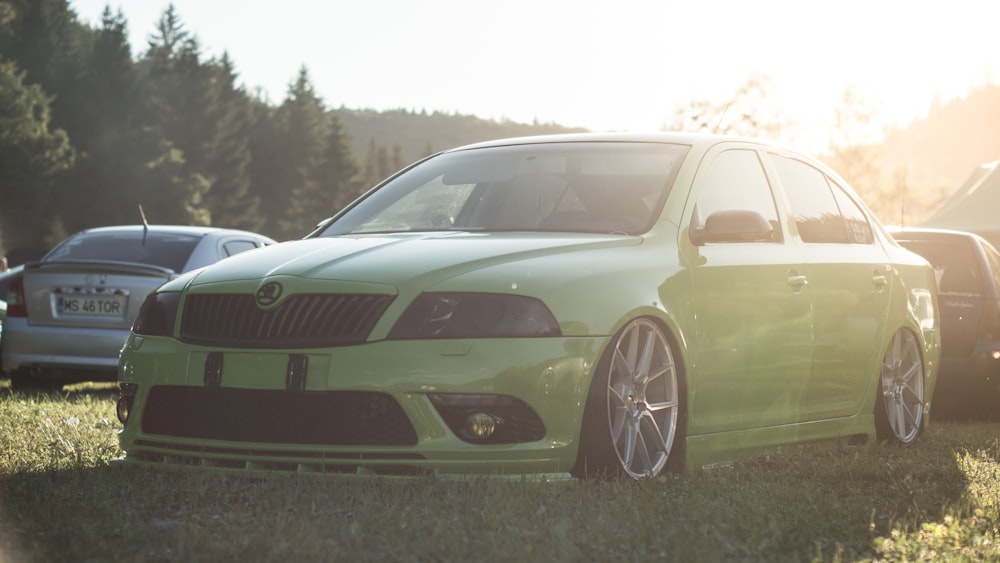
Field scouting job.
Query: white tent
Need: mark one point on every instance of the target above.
(974, 207)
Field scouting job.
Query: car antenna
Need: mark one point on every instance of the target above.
(902, 205)
(721, 116)
(145, 224)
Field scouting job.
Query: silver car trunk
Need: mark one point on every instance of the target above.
(89, 293)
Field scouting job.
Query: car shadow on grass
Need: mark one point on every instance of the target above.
(795, 504)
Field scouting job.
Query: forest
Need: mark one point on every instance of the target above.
(90, 131)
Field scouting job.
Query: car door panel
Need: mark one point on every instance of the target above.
(754, 317)
(849, 281)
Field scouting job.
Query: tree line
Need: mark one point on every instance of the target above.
(89, 132)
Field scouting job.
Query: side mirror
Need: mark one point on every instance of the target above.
(733, 225)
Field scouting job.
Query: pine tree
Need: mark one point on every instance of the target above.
(227, 153)
(207, 117)
(102, 120)
(110, 81)
(339, 173)
(32, 155)
(179, 98)
(266, 166)
(380, 163)
(178, 86)
(38, 35)
(302, 125)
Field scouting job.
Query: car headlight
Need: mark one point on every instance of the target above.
(157, 314)
(474, 315)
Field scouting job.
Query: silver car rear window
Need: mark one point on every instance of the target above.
(167, 250)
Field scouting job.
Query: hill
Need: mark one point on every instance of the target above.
(939, 152)
(935, 154)
(419, 134)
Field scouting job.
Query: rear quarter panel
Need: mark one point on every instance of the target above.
(915, 306)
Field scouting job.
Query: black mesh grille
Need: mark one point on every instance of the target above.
(335, 418)
(302, 321)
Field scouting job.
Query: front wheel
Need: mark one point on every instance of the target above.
(632, 417)
(899, 408)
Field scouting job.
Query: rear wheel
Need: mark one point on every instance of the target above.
(632, 418)
(899, 409)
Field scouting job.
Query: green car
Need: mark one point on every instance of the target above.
(558, 306)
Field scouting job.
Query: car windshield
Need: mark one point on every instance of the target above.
(167, 250)
(571, 187)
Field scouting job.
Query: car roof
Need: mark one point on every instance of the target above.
(165, 229)
(687, 138)
(929, 233)
(941, 235)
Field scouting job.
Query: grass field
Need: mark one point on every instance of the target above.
(62, 498)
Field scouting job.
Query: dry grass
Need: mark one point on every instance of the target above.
(63, 499)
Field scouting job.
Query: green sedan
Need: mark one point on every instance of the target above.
(559, 306)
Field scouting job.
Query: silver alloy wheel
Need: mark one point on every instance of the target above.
(903, 387)
(642, 399)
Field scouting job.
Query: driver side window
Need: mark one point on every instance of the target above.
(735, 180)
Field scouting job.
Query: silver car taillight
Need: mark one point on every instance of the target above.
(16, 307)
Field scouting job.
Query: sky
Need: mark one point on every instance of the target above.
(607, 66)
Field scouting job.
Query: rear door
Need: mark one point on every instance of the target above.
(849, 288)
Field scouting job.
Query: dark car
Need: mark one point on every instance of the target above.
(967, 268)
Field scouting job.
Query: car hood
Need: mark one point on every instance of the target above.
(394, 260)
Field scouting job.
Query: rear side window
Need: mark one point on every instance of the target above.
(167, 250)
(859, 231)
(817, 215)
(236, 246)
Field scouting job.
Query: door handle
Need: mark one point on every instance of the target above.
(797, 281)
(880, 279)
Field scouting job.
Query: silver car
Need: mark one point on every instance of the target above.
(69, 313)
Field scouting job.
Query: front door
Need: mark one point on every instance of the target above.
(751, 301)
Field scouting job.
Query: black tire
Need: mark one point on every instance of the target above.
(26, 381)
(633, 420)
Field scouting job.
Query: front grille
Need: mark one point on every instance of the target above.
(302, 321)
(332, 418)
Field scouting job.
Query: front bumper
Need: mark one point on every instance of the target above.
(357, 409)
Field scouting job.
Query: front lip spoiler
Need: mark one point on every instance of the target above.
(535, 459)
(362, 472)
